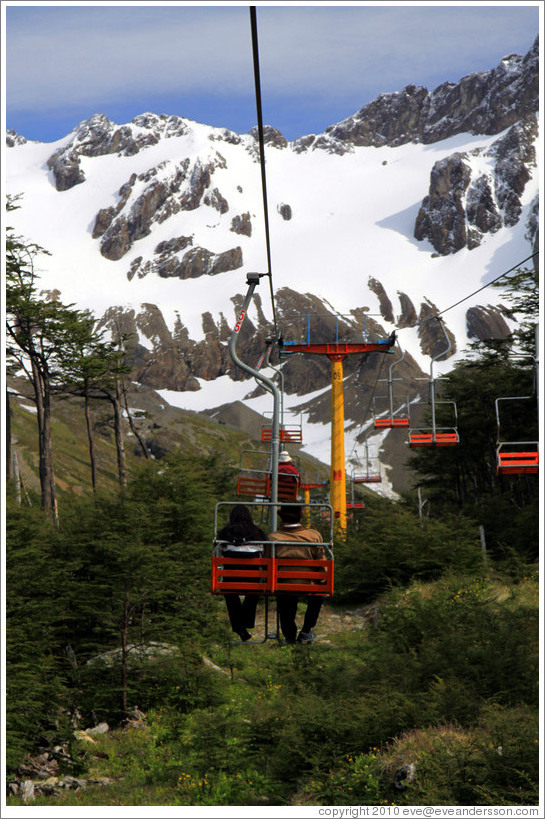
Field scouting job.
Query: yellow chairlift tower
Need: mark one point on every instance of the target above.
(337, 351)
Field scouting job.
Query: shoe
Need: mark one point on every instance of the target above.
(244, 635)
(306, 637)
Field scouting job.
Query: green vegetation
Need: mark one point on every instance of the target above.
(441, 678)
(431, 699)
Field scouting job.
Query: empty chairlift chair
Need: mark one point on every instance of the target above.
(515, 457)
(391, 418)
(436, 436)
(289, 433)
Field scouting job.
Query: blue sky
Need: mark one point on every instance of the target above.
(319, 63)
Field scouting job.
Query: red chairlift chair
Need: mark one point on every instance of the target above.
(516, 457)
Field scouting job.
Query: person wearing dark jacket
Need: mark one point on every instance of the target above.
(233, 540)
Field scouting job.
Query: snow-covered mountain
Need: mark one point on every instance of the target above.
(405, 208)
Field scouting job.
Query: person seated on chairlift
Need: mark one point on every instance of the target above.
(286, 465)
(233, 539)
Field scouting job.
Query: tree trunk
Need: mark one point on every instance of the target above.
(124, 657)
(8, 437)
(132, 426)
(91, 443)
(43, 407)
(121, 466)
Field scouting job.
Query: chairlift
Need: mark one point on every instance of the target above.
(255, 477)
(393, 419)
(369, 476)
(515, 457)
(436, 436)
(269, 575)
(289, 433)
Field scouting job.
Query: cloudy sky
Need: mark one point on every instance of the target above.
(319, 62)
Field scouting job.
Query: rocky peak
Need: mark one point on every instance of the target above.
(13, 138)
(271, 136)
(483, 102)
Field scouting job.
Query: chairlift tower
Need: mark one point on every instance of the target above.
(337, 351)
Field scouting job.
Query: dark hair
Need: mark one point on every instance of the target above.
(240, 514)
(290, 514)
(240, 527)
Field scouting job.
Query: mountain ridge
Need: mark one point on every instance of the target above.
(161, 219)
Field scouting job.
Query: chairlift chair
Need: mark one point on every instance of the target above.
(269, 574)
(393, 419)
(369, 475)
(515, 457)
(435, 436)
(255, 477)
(289, 433)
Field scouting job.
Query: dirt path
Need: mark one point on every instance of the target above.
(331, 621)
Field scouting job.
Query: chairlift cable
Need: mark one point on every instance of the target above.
(515, 267)
(255, 51)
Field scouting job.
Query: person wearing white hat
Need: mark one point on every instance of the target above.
(286, 465)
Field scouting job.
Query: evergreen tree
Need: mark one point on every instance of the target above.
(91, 368)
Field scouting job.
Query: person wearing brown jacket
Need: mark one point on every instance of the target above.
(305, 543)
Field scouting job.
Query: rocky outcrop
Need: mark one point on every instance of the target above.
(271, 136)
(484, 323)
(98, 136)
(215, 200)
(431, 332)
(13, 138)
(241, 224)
(322, 142)
(386, 310)
(481, 211)
(152, 197)
(66, 170)
(515, 154)
(485, 102)
(285, 211)
(460, 210)
(391, 119)
(408, 316)
(199, 261)
(441, 218)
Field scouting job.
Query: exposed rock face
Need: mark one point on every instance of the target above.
(485, 323)
(486, 102)
(386, 309)
(441, 218)
(459, 209)
(66, 170)
(215, 200)
(391, 119)
(13, 138)
(152, 197)
(481, 211)
(271, 136)
(285, 211)
(515, 154)
(200, 262)
(242, 224)
(408, 316)
(98, 136)
(431, 335)
(323, 142)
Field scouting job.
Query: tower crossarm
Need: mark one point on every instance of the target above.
(337, 348)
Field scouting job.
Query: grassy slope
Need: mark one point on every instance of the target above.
(166, 427)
